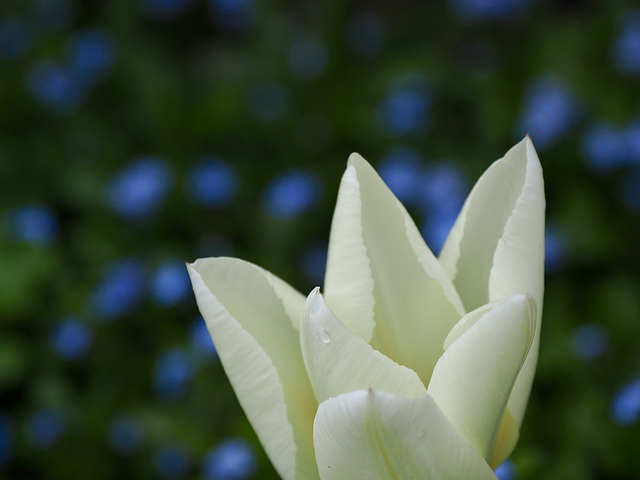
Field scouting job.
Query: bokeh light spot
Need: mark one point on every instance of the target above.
(139, 189)
(291, 194)
(233, 459)
(72, 339)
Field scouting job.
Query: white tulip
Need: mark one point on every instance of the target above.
(416, 367)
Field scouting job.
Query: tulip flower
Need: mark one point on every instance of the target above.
(406, 365)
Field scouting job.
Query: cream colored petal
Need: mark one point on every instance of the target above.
(378, 435)
(508, 433)
(468, 321)
(496, 247)
(518, 267)
(348, 286)
(415, 302)
(473, 380)
(339, 361)
(507, 439)
(260, 351)
(292, 300)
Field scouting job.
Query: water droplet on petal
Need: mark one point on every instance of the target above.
(324, 335)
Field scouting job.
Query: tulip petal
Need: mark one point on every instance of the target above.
(378, 435)
(473, 380)
(339, 361)
(496, 247)
(245, 310)
(292, 300)
(416, 303)
(348, 286)
(507, 438)
(508, 433)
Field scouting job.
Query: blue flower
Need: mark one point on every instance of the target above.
(54, 86)
(549, 112)
(120, 290)
(604, 147)
(625, 407)
(34, 224)
(233, 459)
(170, 283)
(72, 339)
(212, 183)
(443, 189)
(505, 471)
(171, 375)
(6, 440)
(626, 48)
(436, 229)
(631, 134)
(45, 428)
(91, 56)
(138, 190)
(405, 110)
(401, 170)
(291, 194)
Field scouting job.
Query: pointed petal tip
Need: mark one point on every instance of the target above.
(197, 262)
(198, 265)
(314, 306)
(191, 270)
(354, 159)
(530, 149)
(528, 141)
(313, 295)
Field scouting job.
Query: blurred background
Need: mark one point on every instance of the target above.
(136, 135)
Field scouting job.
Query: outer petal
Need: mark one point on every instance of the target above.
(348, 285)
(415, 301)
(339, 361)
(496, 247)
(377, 435)
(259, 348)
(473, 380)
